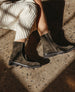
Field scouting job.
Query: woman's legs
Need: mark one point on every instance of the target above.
(50, 48)
(19, 41)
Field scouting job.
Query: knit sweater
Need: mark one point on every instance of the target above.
(19, 17)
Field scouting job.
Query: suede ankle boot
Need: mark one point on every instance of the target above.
(31, 53)
(17, 56)
(50, 48)
(37, 58)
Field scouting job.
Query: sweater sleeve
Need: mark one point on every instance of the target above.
(27, 17)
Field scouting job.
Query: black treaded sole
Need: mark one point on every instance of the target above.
(47, 55)
(22, 65)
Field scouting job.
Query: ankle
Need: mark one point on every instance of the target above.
(43, 33)
(21, 40)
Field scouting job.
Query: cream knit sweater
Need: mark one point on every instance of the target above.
(19, 17)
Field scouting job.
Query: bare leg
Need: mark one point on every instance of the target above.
(42, 23)
(21, 40)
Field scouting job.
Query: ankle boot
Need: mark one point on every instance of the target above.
(31, 53)
(51, 49)
(37, 58)
(17, 56)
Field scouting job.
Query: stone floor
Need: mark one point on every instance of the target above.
(56, 76)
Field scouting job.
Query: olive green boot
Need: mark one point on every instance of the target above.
(51, 49)
(17, 56)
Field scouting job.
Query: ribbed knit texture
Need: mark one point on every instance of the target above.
(19, 17)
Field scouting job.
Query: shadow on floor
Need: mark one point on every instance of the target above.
(8, 81)
(65, 82)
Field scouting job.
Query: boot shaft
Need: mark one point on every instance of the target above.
(18, 47)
